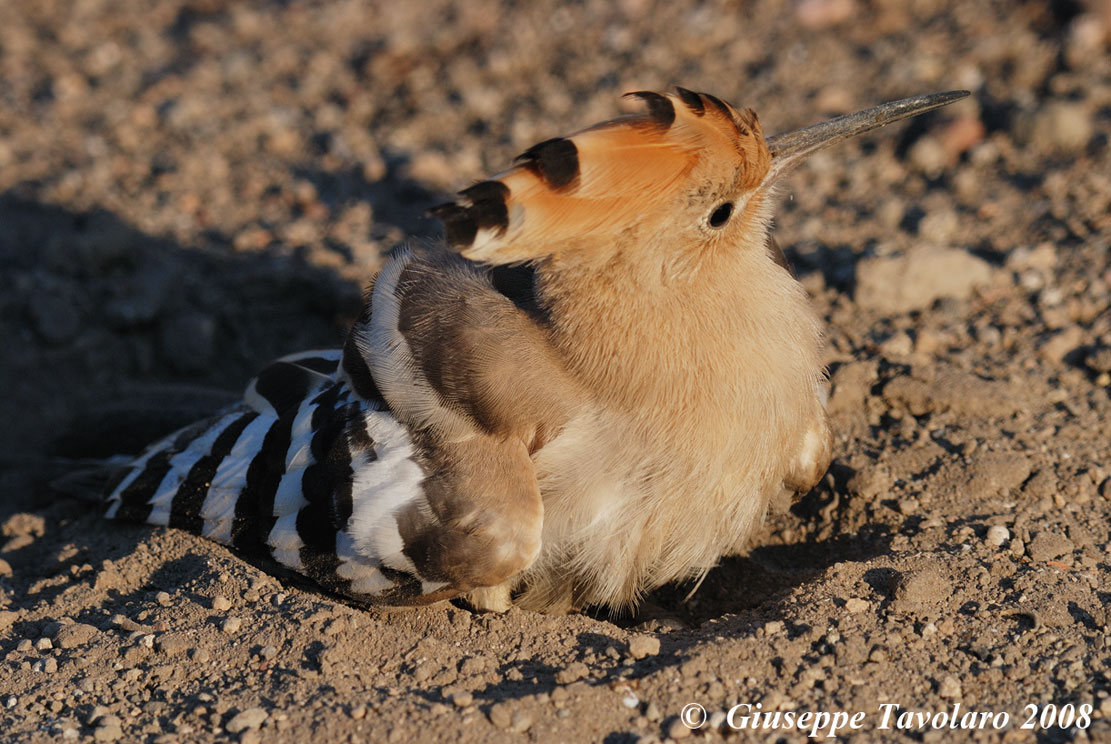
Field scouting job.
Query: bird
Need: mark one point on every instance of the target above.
(591, 386)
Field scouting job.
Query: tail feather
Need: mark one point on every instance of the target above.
(280, 476)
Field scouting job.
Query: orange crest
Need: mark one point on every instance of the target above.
(598, 183)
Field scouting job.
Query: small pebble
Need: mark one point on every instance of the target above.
(824, 14)
(50, 665)
(521, 722)
(908, 507)
(677, 730)
(108, 728)
(110, 732)
(162, 598)
(221, 603)
(572, 672)
(997, 535)
(949, 687)
(929, 155)
(641, 646)
(501, 715)
(899, 345)
(44, 644)
(856, 604)
(268, 652)
(358, 712)
(251, 718)
(462, 699)
(231, 625)
(472, 665)
(630, 700)
(1065, 126)
(5, 568)
(123, 622)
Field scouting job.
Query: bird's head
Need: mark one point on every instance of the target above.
(687, 178)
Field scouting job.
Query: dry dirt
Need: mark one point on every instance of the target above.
(189, 188)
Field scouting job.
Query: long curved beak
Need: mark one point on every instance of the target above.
(789, 149)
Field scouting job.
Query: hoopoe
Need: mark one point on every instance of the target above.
(592, 387)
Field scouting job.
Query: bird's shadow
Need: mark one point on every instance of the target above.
(398, 202)
(113, 335)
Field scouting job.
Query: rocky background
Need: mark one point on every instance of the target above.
(189, 188)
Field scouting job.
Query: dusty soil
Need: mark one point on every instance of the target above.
(189, 188)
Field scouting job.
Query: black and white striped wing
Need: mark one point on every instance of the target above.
(309, 470)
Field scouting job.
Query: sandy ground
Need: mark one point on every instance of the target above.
(189, 188)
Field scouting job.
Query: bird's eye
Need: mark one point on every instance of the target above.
(721, 214)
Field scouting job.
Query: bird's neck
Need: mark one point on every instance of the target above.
(696, 341)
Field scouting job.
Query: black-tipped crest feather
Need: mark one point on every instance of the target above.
(554, 161)
(693, 101)
(486, 210)
(660, 108)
